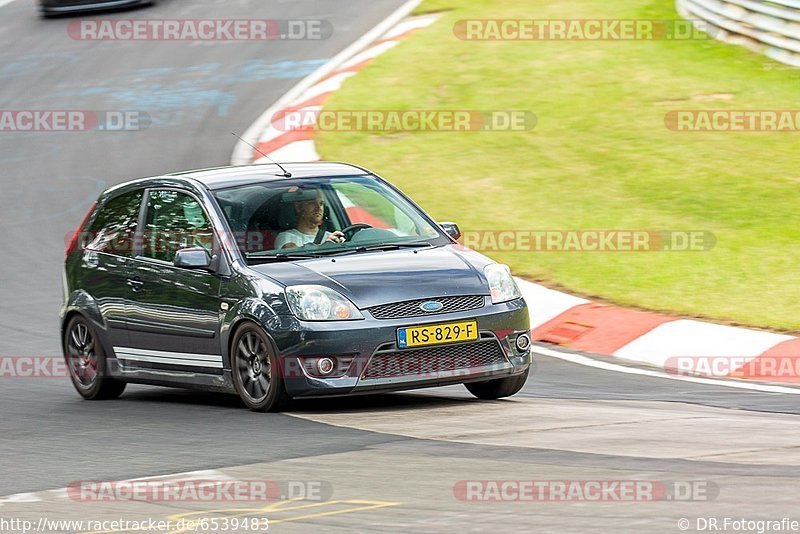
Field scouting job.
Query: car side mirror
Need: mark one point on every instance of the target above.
(451, 229)
(193, 258)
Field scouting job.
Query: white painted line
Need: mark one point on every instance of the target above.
(203, 474)
(370, 53)
(63, 493)
(21, 497)
(243, 154)
(406, 26)
(328, 86)
(5, 2)
(606, 366)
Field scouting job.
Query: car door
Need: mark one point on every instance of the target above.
(105, 262)
(173, 313)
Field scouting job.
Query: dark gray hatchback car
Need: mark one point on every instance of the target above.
(278, 283)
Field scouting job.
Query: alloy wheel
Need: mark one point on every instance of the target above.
(253, 366)
(81, 355)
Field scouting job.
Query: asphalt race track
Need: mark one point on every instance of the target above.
(388, 463)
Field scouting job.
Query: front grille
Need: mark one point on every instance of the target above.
(431, 360)
(411, 308)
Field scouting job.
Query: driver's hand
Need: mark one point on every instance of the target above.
(336, 237)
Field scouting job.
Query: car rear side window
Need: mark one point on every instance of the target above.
(174, 221)
(114, 226)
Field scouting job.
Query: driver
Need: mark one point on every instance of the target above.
(309, 207)
(197, 232)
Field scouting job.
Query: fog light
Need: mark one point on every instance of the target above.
(325, 366)
(523, 342)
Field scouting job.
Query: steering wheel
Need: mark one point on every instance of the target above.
(351, 230)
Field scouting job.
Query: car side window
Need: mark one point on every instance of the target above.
(174, 221)
(114, 226)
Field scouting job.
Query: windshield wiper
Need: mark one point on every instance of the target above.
(382, 246)
(281, 256)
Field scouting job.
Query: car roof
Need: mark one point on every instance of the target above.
(229, 176)
(232, 176)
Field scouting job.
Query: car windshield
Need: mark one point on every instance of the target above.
(310, 217)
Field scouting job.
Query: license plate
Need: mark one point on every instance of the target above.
(434, 334)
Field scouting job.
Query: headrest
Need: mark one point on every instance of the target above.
(287, 216)
(278, 212)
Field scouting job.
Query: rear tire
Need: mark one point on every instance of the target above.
(86, 362)
(498, 388)
(256, 371)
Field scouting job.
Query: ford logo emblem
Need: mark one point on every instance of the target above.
(431, 306)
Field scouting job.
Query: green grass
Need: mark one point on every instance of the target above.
(600, 156)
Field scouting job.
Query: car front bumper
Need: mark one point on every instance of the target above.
(377, 364)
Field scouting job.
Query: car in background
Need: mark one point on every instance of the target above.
(52, 8)
(276, 283)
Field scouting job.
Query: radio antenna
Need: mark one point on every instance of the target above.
(286, 174)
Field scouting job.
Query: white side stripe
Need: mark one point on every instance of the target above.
(176, 358)
(172, 361)
(165, 354)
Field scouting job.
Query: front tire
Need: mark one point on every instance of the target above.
(256, 371)
(86, 362)
(498, 388)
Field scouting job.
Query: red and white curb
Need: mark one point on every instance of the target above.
(285, 142)
(314, 90)
(683, 345)
(556, 317)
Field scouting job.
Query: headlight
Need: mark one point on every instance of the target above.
(319, 303)
(501, 283)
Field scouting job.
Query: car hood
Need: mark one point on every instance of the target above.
(373, 278)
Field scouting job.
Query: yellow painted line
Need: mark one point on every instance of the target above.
(373, 506)
(230, 512)
(277, 507)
